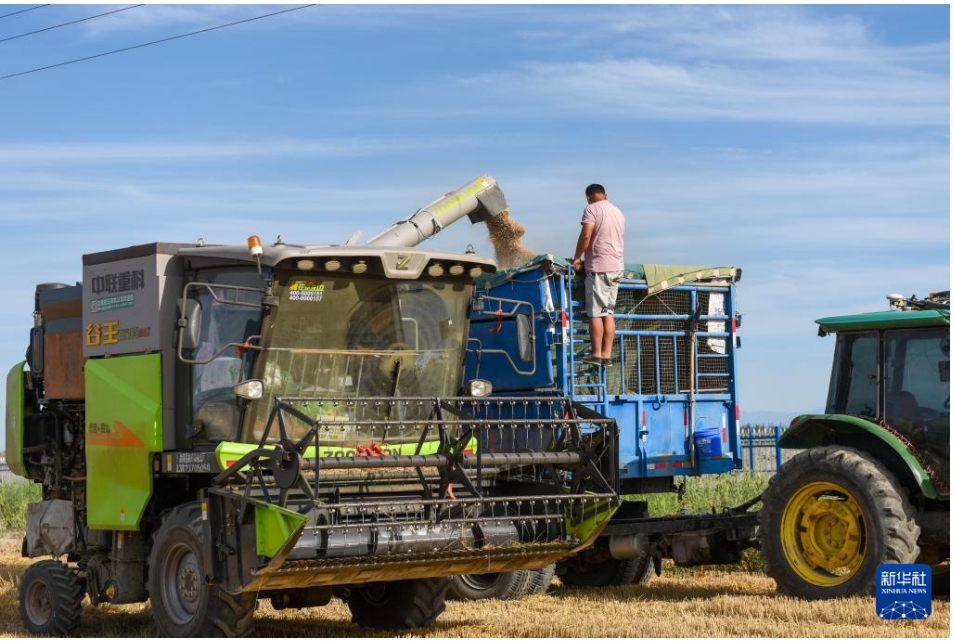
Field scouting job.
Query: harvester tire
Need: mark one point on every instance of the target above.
(51, 597)
(398, 605)
(541, 579)
(645, 570)
(503, 586)
(613, 572)
(183, 603)
(830, 516)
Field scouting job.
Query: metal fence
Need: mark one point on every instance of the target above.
(760, 450)
(5, 473)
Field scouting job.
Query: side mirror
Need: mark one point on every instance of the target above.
(944, 371)
(190, 324)
(524, 339)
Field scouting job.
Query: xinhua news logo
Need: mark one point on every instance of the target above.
(903, 591)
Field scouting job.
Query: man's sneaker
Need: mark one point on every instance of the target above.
(592, 360)
(607, 362)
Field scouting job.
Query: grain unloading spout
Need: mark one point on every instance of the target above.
(479, 200)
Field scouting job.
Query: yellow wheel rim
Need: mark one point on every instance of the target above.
(823, 534)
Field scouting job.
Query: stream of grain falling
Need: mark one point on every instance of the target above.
(505, 235)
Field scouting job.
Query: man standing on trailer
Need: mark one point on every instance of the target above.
(600, 251)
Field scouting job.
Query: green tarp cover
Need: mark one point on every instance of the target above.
(658, 277)
(662, 277)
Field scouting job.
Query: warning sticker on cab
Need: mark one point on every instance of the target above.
(307, 290)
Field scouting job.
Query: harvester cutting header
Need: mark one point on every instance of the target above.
(215, 424)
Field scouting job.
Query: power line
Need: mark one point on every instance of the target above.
(66, 24)
(155, 42)
(39, 6)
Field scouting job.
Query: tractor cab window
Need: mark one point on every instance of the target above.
(918, 391)
(916, 385)
(854, 376)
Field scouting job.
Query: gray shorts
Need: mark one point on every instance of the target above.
(601, 289)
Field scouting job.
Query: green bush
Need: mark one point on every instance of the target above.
(705, 493)
(14, 496)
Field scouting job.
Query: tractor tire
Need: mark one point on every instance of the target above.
(830, 516)
(503, 586)
(398, 605)
(183, 603)
(51, 597)
(541, 579)
(613, 572)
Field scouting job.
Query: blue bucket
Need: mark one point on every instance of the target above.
(709, 443)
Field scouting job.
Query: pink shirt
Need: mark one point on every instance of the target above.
(605, 253)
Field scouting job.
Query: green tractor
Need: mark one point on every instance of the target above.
(872, 482)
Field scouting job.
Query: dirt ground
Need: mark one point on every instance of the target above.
(703, 604)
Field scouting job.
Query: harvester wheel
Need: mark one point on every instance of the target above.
(611, 573)
(51, 597)
(183, 602)
(645, 570)
(398, 605)
(541, 579)
(503, 586)
(829, 518)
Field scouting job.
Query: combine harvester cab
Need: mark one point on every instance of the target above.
(672, 389)
(214, 425)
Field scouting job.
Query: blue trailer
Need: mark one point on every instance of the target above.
(672, 388)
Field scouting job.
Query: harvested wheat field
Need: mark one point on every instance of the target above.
(702, 604)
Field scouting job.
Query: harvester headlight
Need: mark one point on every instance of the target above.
(306, 264)
(475, 272)
(359, 267)
(456, 270)
(251, 390)
(435, 270)
(479, 387)
(332, 265)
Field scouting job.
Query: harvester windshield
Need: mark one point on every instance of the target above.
(347, 336)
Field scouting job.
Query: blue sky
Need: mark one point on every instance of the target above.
(808, 145)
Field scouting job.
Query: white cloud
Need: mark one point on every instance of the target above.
(741, 33)
(775, 33)
(644, 88)
(782, 296)
(323, 16)
(762, 63)
(186, 17)
(149, 151)
(745, 63)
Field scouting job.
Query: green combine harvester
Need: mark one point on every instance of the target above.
(213, 424)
